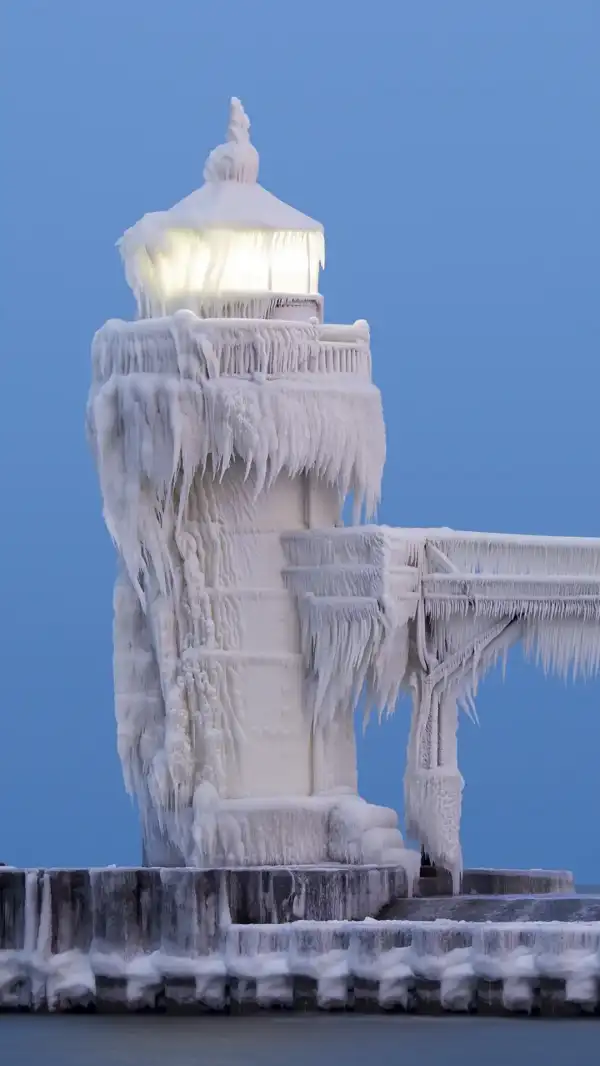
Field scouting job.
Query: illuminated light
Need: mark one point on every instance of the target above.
(231, 236)
(219, 261)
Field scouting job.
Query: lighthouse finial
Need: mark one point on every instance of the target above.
(239, 123)
(237, 159)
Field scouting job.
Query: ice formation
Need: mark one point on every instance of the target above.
(229, 424)
(123, 957)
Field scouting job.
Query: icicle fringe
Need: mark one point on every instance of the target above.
(432, 811)
(544, 599)
(149, 429)
(568, 648)
(354, 612)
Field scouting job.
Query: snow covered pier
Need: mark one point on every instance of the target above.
(133, 939)
(529, 967)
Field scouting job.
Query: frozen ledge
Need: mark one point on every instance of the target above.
(496, 882)
(456, 966)
(177, 911)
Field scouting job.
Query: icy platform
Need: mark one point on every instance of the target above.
(183, 939)
(530, 967)
(496, 882)
(146, 906)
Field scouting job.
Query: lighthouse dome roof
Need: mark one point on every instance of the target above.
(230, 236)
(230, 197)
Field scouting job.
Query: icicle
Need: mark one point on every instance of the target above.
(356, 596)
(146, 428)
(176, 701)
(564, 646)
(351, 645)
(554, 596)
(138, 700)
(432, 811)
(341, 639)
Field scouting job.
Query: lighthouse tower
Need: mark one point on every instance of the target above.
(227, 422)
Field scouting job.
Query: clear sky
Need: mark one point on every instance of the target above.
(451, 150)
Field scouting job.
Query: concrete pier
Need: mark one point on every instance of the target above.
(148, 908)
(301, 938)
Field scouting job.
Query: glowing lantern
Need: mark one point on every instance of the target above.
(231, 247)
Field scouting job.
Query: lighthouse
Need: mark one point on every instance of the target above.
(225, 419)
(230, 424)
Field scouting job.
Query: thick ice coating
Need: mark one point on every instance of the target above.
(215, 439)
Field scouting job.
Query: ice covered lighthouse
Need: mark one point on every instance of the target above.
(229, 424)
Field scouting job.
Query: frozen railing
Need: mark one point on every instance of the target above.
(345, 349)
(495, 595)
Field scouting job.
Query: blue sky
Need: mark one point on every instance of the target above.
(452, 152)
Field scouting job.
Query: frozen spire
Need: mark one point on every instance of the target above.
(237, 159)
